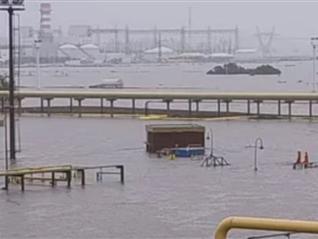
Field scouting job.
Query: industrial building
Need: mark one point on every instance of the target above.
(168, 136)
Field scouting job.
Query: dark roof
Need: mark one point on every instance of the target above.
(175, 128)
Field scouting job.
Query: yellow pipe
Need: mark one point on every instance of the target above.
(267, 224)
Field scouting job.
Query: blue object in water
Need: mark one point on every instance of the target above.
(188, 152)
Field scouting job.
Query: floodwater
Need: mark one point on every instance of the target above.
(296, 76)
(162, 198)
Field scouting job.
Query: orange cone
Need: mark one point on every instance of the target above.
(298, 161)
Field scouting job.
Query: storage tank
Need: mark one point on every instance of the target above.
(72, 51)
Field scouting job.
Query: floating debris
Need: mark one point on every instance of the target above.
(234, 69)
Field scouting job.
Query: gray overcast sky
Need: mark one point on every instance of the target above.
(291, 18)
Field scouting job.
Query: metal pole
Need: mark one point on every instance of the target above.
(209, 40)
(248, 107)
(190, 26)
(127, 42)
(197, 106)
(261, 146)
(219, 107)
(314, 68)
(237, 44)
(19, 51)
(111, 108)
(122, 173)
(101, 105)
(6, 149)
(38, 66)
(159, 48)
(255, 156)
(11, 87)
(289, 109)
(211, 133)
(133, 106)
(155, 37)
(182, 40)
(116, 40)
(6, 140)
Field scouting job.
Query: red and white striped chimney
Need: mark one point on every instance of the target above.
(45, 21)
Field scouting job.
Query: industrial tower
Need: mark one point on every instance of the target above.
(265, 40)
(48, 48)
(45, 33)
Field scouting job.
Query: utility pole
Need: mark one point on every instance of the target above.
(159, 48)
(11, 87)
(37, 45)
(314, 43)
(314, 69)
(10, 6)
(190, 25)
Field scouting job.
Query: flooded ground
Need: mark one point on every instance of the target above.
(161, 198)
(296, 76)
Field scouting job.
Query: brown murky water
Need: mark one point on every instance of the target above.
(161, 198)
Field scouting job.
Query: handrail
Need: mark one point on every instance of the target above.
(35, 170)
(267, 224)
(151, 94)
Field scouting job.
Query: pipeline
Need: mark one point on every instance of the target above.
(266, 224)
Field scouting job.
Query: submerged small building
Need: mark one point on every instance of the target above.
(168, 136)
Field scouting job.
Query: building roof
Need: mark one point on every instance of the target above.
(191, 54)
(167, 128)
(156, 50)
(245, 51)
(89, 46)
(221, 55)
(68, 46)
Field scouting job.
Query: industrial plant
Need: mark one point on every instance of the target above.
(84, 45)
